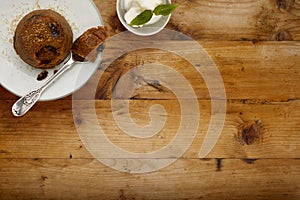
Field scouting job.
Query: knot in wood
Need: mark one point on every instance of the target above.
(249, 133)
(282, 35)
(285, 4)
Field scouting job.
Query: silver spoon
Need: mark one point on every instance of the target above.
(23, 105)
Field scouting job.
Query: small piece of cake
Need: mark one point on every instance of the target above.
(43, 38)
(85, 46)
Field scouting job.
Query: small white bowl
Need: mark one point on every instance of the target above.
(145, 30)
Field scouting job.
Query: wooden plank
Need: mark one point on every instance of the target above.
(249, 71)
(185, 179)
(54, 135)
(225, 20)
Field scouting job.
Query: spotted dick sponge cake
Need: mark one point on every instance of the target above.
(43, 38)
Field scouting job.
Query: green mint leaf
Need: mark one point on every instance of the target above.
(142, 18)
(165, 9)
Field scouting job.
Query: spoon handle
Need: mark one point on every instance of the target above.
(23, 105)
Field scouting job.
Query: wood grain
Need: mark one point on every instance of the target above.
(249, 71)
(225, 20)
(55, 135)
(186, 179)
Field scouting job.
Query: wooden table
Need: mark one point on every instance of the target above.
(255, 46)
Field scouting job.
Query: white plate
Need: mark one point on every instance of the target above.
(20, 78)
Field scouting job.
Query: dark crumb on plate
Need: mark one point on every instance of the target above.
(42, 75)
